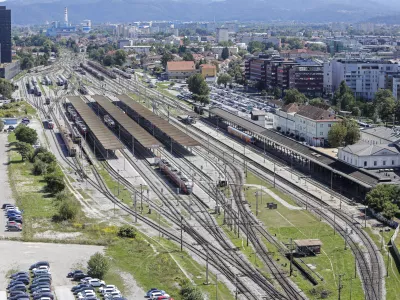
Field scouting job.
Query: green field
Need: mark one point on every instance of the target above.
(288, 224)
(16, 109)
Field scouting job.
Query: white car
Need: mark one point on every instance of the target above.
(41, 268)
(108, 286)
(109, 291)
(155, 294)
(41, 271)
(85, 293)
(85, 280)
(96, 282)
(112, 295)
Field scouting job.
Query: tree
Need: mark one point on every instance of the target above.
(277, 93)
(98, 265)
(25, 150)
(294, 96)
(46, 157)
(352, 131)
(26, 134)
(382, 198)
(67, 210)
(108, 60)
(55, 183)
(127, 231)
(6, 88)
(225, 53)
(1, 125)
(337, 135)
(343, 97)
(190, 292)
(120, 57)
(198, 86)
(39, 168)
(188, 56)
(224, 79)
(255, 46)
(167, 56)
(385, 104)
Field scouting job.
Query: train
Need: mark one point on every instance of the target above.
(109, 122)
(48, 100)
(34, 81)
(185, 184)
(92, 72)
(83, 90)
(122, 73)
(68, 141)
(76, 137)
(47, 80)
(49, 123)
(64, 80)
(243, 136)
(30, 88)
(101, 69)
(60, 82)
(37, 91)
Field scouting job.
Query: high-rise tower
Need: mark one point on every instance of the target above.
(66, 16)
(5, 35)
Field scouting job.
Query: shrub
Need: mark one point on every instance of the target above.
(98, 265)
(39, 168)
(55, 183)
(67, 210)
(25, 150)
(46, 157)
(26, 134)
(190, 292)
(127, 231)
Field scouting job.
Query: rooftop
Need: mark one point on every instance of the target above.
(307, 242)
(363, 149)
(208, 66)
(180, 66)
(382, 132)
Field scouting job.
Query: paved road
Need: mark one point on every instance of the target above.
(62, 258)
(5, 189)
(64, 292)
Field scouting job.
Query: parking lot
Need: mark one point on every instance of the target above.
(5, 185)
(62, 258)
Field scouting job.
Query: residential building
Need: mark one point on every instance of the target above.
(363, 155)
(364, 77)
(222, 35)
(218, 50)
(5, 35)
(180, 69)
(137, 49)
(392, 82)
(305, 122)
(208, 70)
(309, 80)
(380, 135)
(10, 70)
(303, 53)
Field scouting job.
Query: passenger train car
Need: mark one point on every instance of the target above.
(180, 179)
(243, 136)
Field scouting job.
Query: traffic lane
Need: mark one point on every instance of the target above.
(5, 187)
(62, 258)
(64, 292)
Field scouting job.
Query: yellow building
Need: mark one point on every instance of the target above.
(208, 71)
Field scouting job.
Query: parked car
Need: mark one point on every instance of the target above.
(83, 289)
(18, 287)
(42, 295)
(151, 291)
(23, 279)
(79, 286)
(11, 128)
(17, 219)
(5, 205)
(71, 274)
(40, 286)
(108, 286)
(19, 274)
(108, 291)
(41, 291)
(14, 227)
(96, 282)
(84, 293)
(38, 264)
(79, 276)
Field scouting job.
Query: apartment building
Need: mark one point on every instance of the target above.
(364, 77)
(222, 35)
(180, 69)
(305, 122)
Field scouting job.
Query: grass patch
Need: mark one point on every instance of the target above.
(114, 277)
(83, 193)
(16, 109)
(124, 195)
(334, 260)
(153, 265)
(393, 281)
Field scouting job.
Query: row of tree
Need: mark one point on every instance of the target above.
(385, 199)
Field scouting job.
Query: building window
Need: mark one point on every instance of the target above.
(321, 133)
(329, 125)
(321, 125)
(375, 163)
(384, 162)
(365, 163)
(392, 162)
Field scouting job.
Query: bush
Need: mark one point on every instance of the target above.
(98, 265)
(37, 151)
(127, 231)
(55, 183)
(39, 168)
(25, 150)
(189, 292)
(67, 210)
(26, 134)
(46, 157)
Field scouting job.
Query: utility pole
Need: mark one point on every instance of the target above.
(355, 267)
(291, 257)
(181, 233)
(159, 226)
(135, 204)
(207, 266)
(256, 204)
(141, 199)
(334, 223)
(216, 286)
(340, 286)
(365, 216)
(274, 174)
(236, 287)
(118, 182)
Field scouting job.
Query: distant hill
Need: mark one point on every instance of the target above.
(39, 11)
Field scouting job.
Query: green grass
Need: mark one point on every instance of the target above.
(292, 224)
(393, 281)
(153, 265)
(29, 194)
(19, 75)
(124, 195)
(16, 109)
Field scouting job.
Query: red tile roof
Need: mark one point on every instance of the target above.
(180, 66)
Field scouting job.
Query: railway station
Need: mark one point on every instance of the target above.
(340, 177)
(127, 129)
(98, 136)
(158, 126)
